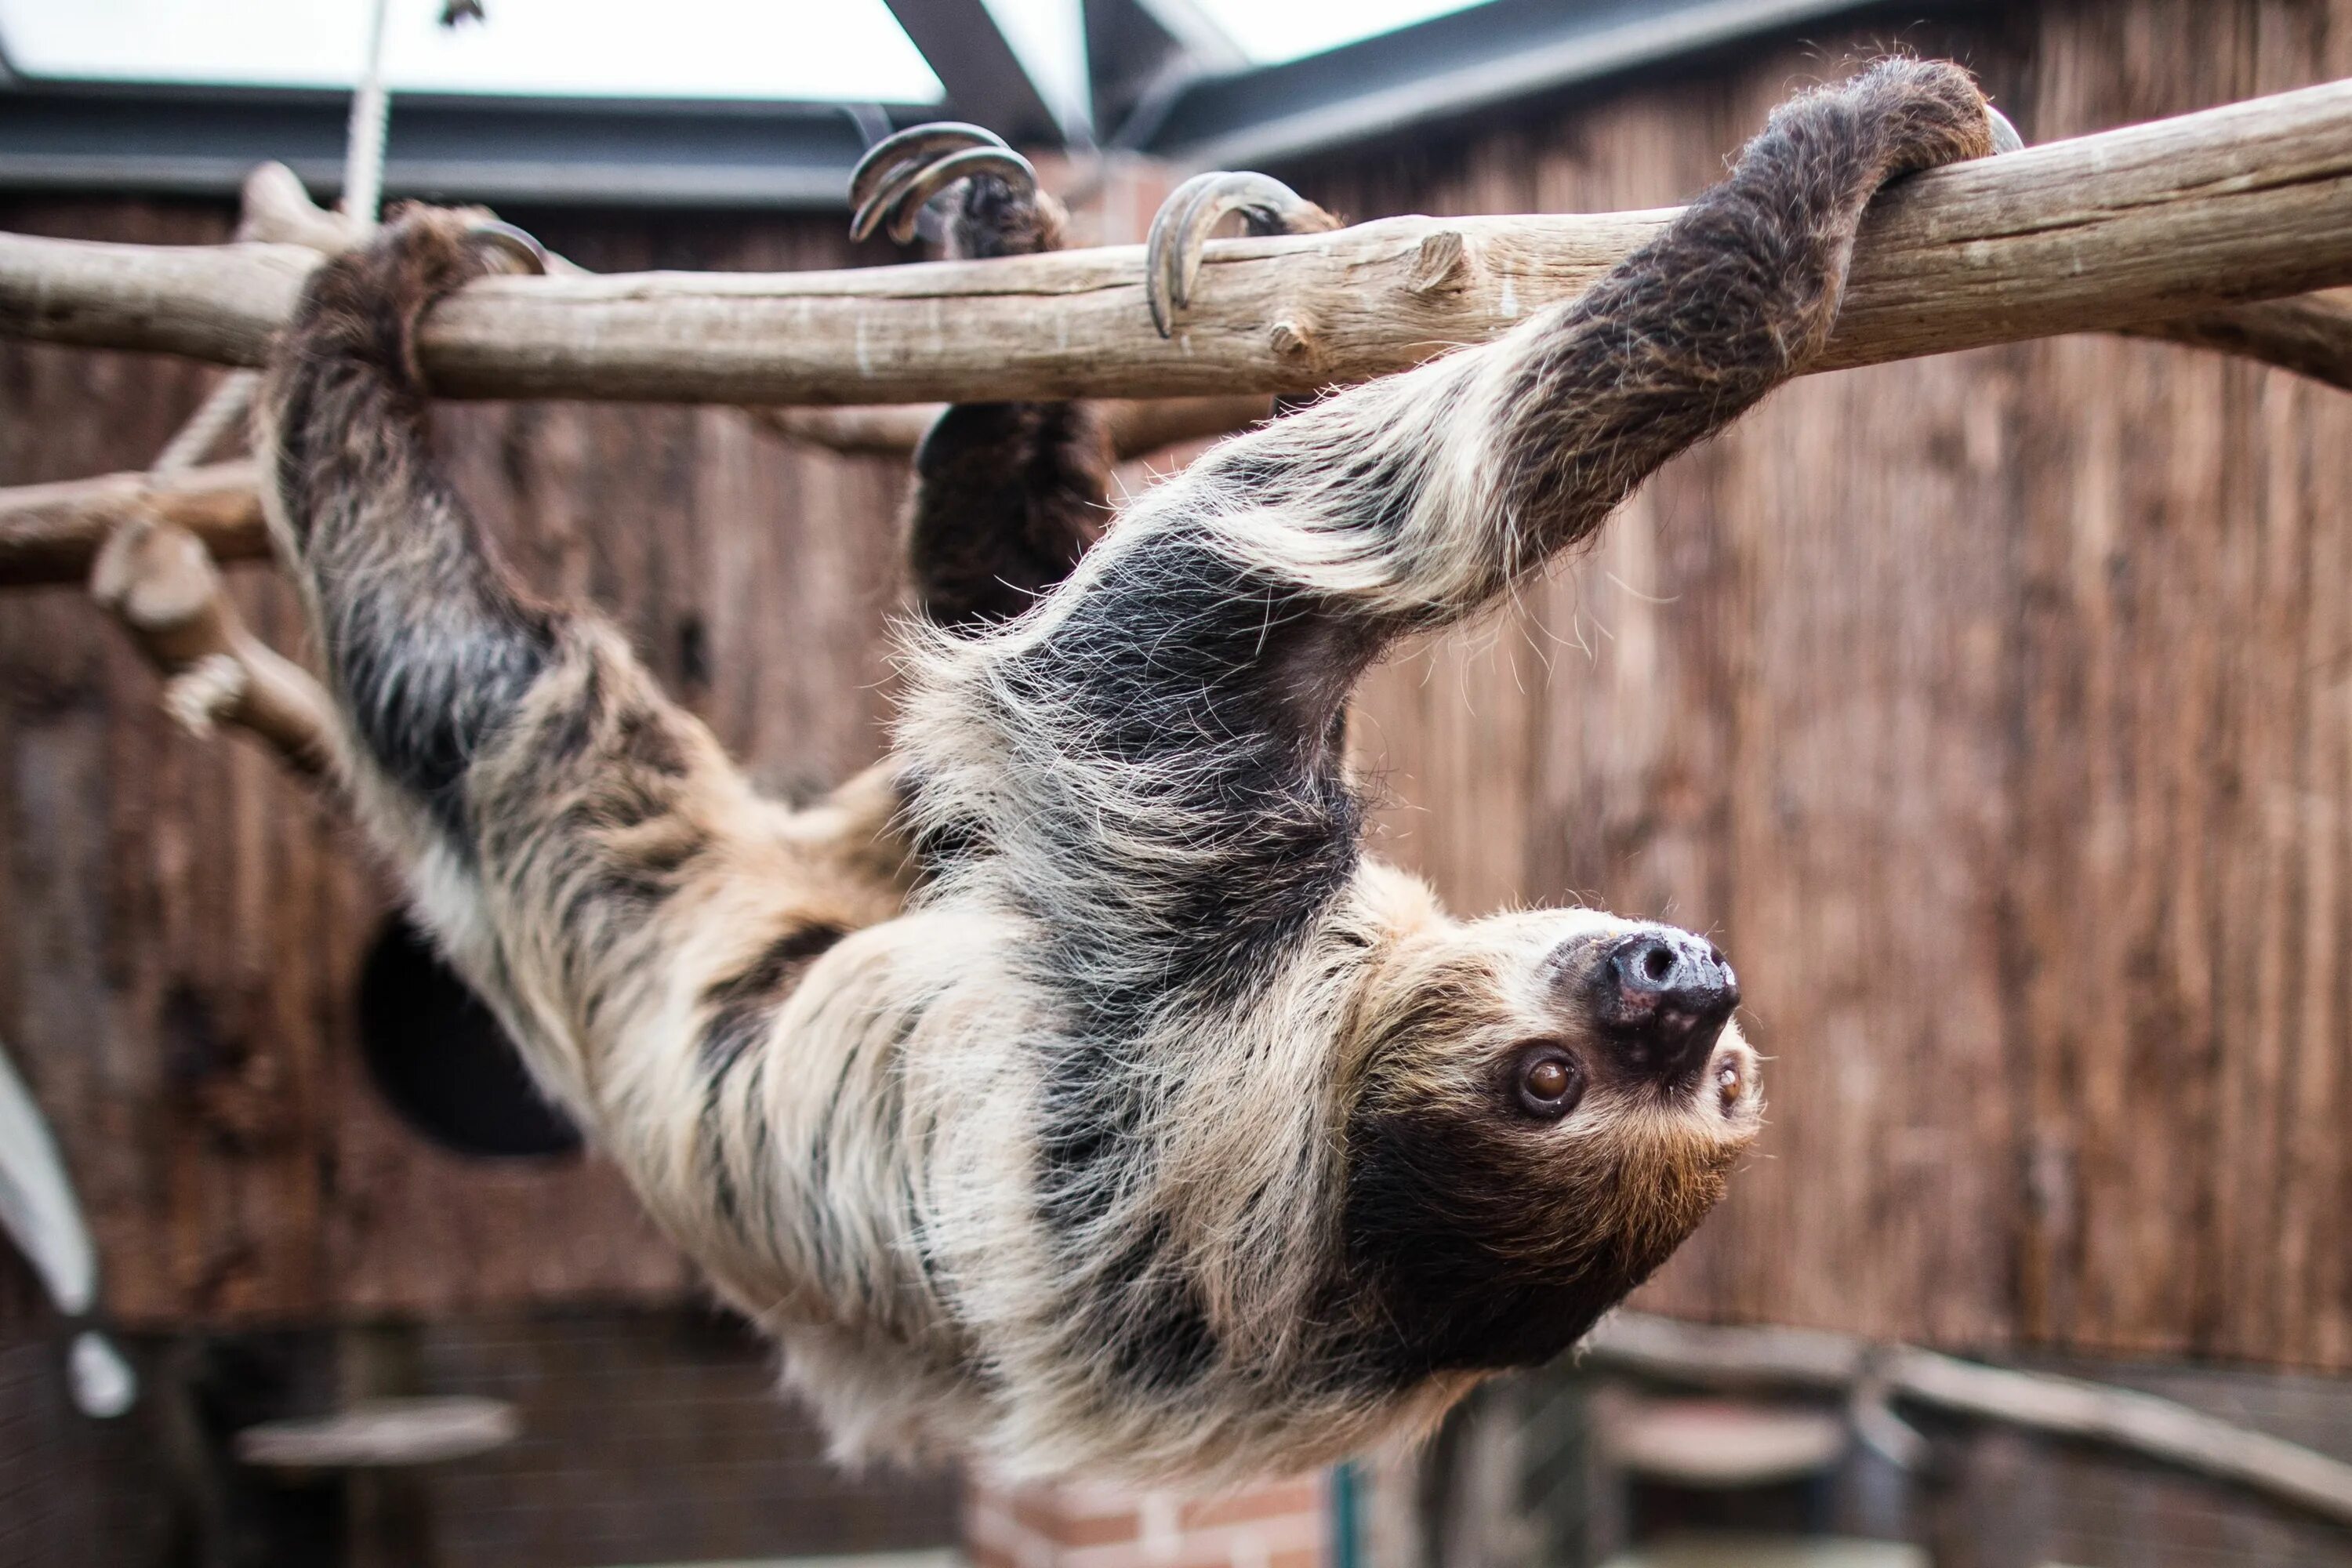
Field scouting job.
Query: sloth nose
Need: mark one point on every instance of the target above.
(1665, 995)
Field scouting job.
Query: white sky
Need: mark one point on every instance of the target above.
(847, 50)
(1272, 30)
(850, 50)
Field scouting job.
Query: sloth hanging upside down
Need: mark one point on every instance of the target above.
(1071, 1089)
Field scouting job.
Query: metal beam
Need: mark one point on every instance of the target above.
(510, 152)
(554, 151)
(986, 80)
(1440, 69)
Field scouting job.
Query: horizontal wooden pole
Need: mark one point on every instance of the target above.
(163, 585)
(1137, 427)
(2252, 201)
(2310, 335)
(51, 533)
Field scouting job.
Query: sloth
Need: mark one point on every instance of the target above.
(1072, 1089)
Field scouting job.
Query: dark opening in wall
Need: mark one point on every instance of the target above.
(443, 1062)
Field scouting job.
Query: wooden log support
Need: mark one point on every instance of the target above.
(161, 582)
(2311, 335)
(51, 533)
(2070, 1408)
(2248, 202)
(1138, 426)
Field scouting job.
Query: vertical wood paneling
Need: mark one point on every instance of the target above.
(185, 927)
(1993, 711)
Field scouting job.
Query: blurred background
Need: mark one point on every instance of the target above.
(1993, 711)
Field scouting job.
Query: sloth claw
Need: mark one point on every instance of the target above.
(902, 199)
(901, 173)
(2005, 138)
(913, 145)
(517, 246)
(1180, 229)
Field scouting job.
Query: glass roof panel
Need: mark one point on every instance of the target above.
(1291, 29)
(838, 50)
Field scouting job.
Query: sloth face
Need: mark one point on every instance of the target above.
(1549, 1104)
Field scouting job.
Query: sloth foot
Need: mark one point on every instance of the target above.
(901, 173)
(1180, 230)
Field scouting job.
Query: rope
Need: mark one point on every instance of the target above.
(213, 423)
(217, 418)
(371, 118)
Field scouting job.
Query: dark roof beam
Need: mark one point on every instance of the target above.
(986, 81)
(1448, 67)
(505, 152)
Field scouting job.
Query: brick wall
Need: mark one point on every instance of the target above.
(1285, 1524)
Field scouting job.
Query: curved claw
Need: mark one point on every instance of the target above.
(913, 144)
(519, 247)
(1180, 227)
(882, 176)
(911, 185)
(2005, 138)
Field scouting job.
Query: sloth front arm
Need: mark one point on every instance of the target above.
(1155, 750)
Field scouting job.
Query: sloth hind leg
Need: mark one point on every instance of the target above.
(581, 847)
(1008, 496)
(1196, 818)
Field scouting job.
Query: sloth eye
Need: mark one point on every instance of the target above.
(1549, 1083)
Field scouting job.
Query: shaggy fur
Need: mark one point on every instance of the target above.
(1072, 1089)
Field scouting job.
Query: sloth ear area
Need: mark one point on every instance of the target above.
(1180, 231)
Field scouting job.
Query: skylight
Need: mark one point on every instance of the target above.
(1270, 33)
(838, 50)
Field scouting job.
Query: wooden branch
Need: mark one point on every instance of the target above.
(1138, 426)
(886, 429)
(2250, 201)
(2160, 1429)
(274, 209)
(160, 581)
(2310, 335)
(52, 534)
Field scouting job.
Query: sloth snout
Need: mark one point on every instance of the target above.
(1662, 998)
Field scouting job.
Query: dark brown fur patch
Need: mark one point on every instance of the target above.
(1011, 495)
(1008, 495)
(743, 1002)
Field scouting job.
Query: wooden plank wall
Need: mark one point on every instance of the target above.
(1992, 710)
(184, 927)
(1995, 713)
